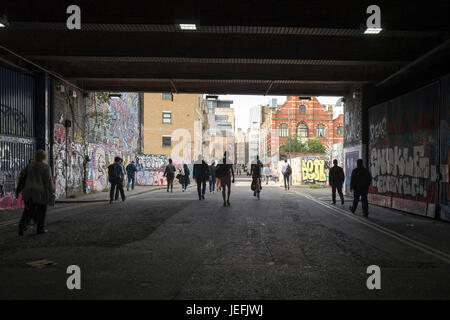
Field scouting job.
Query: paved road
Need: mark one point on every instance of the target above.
(288, 245)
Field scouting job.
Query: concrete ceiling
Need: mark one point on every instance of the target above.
(248, 47)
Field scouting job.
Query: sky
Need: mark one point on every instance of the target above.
(243, 103)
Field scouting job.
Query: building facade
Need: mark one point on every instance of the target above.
(173, 125)
(304, 117)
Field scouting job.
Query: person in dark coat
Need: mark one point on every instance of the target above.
(337, 178)
(186, 180)
(359, 183)
(212, 177)
(169, 173)
(131, 173)
(116, 175)
(201, 173)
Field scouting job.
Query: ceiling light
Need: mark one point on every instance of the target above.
(3, 22)
(373, 30)
(188, 26)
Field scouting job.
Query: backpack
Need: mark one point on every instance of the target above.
(114, 172)
(288, 170)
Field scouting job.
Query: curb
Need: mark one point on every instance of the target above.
(105, 200)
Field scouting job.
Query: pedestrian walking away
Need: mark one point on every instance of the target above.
(37, 190)
(212, 177)
(255, 171)
(360, 181)
(201, 173)
(131, 173)
(224, 171)
(337, 178)
(169, 173)
(116, 175)
(286, 170)
(186, 180)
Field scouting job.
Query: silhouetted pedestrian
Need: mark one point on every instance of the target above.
(360, 182)
(131, 173)
(224, 171)
(337, 178)
(186, 180)
(38, 192)
(116, 175)
(212, 177)
(201, 172)
(169, 173)
(286, 170)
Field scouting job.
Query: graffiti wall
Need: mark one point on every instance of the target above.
(444, 193)
(310, 169)
(100, 128)
(17, 132)
(403, 151)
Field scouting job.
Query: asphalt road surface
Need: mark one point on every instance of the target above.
(288, 245)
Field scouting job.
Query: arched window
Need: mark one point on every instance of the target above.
(340, 131)
(302, 132)
(284, 131)
(320, 131)
(302, 109)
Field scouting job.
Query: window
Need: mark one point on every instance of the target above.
(166, 141)
(340, 131)
(167, 117)
(302, 132)
(284, 131)
(320, 131)
(167, 96)
(302, 109)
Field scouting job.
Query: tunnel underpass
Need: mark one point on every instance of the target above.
(113, 86)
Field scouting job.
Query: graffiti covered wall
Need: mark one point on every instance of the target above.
(310, 169)
(403, 151)
(444, 193)
(151, 169)
(100, 129)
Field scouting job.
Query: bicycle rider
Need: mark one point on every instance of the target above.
(255, 171)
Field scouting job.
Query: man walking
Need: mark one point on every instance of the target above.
(116, 176)
(169, 173)
(337, 178)
(131, 173)
(286, 170)
(212, 177)
(224, 172)
(200, 174)
(360, 182)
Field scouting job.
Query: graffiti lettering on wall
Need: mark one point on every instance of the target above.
(152, 161)
(313, 170)
(9, 201)
(350, 164)
(403, 151)
(151, 178)
(397, 170)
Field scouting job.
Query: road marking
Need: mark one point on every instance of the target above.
(393, 234)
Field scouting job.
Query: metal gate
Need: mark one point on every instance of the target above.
(17, 129)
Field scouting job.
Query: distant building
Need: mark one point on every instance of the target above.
(304, 117)
(173, 125)
(220, 133)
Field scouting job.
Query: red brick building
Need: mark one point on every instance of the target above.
(308, 119)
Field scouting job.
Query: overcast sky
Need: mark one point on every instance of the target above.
(243, 103)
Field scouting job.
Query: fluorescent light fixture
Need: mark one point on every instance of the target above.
(115, 95)
(3, 22)
(188, 26)
(373, 30)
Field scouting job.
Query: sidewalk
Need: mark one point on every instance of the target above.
(104, 196)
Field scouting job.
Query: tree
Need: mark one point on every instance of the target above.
(315, 146)
(312, 145)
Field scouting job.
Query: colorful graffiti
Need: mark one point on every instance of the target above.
(403, 152)
(151, 161)
(313, 170)
(151, 178)
(9, 201)
(350, 164)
